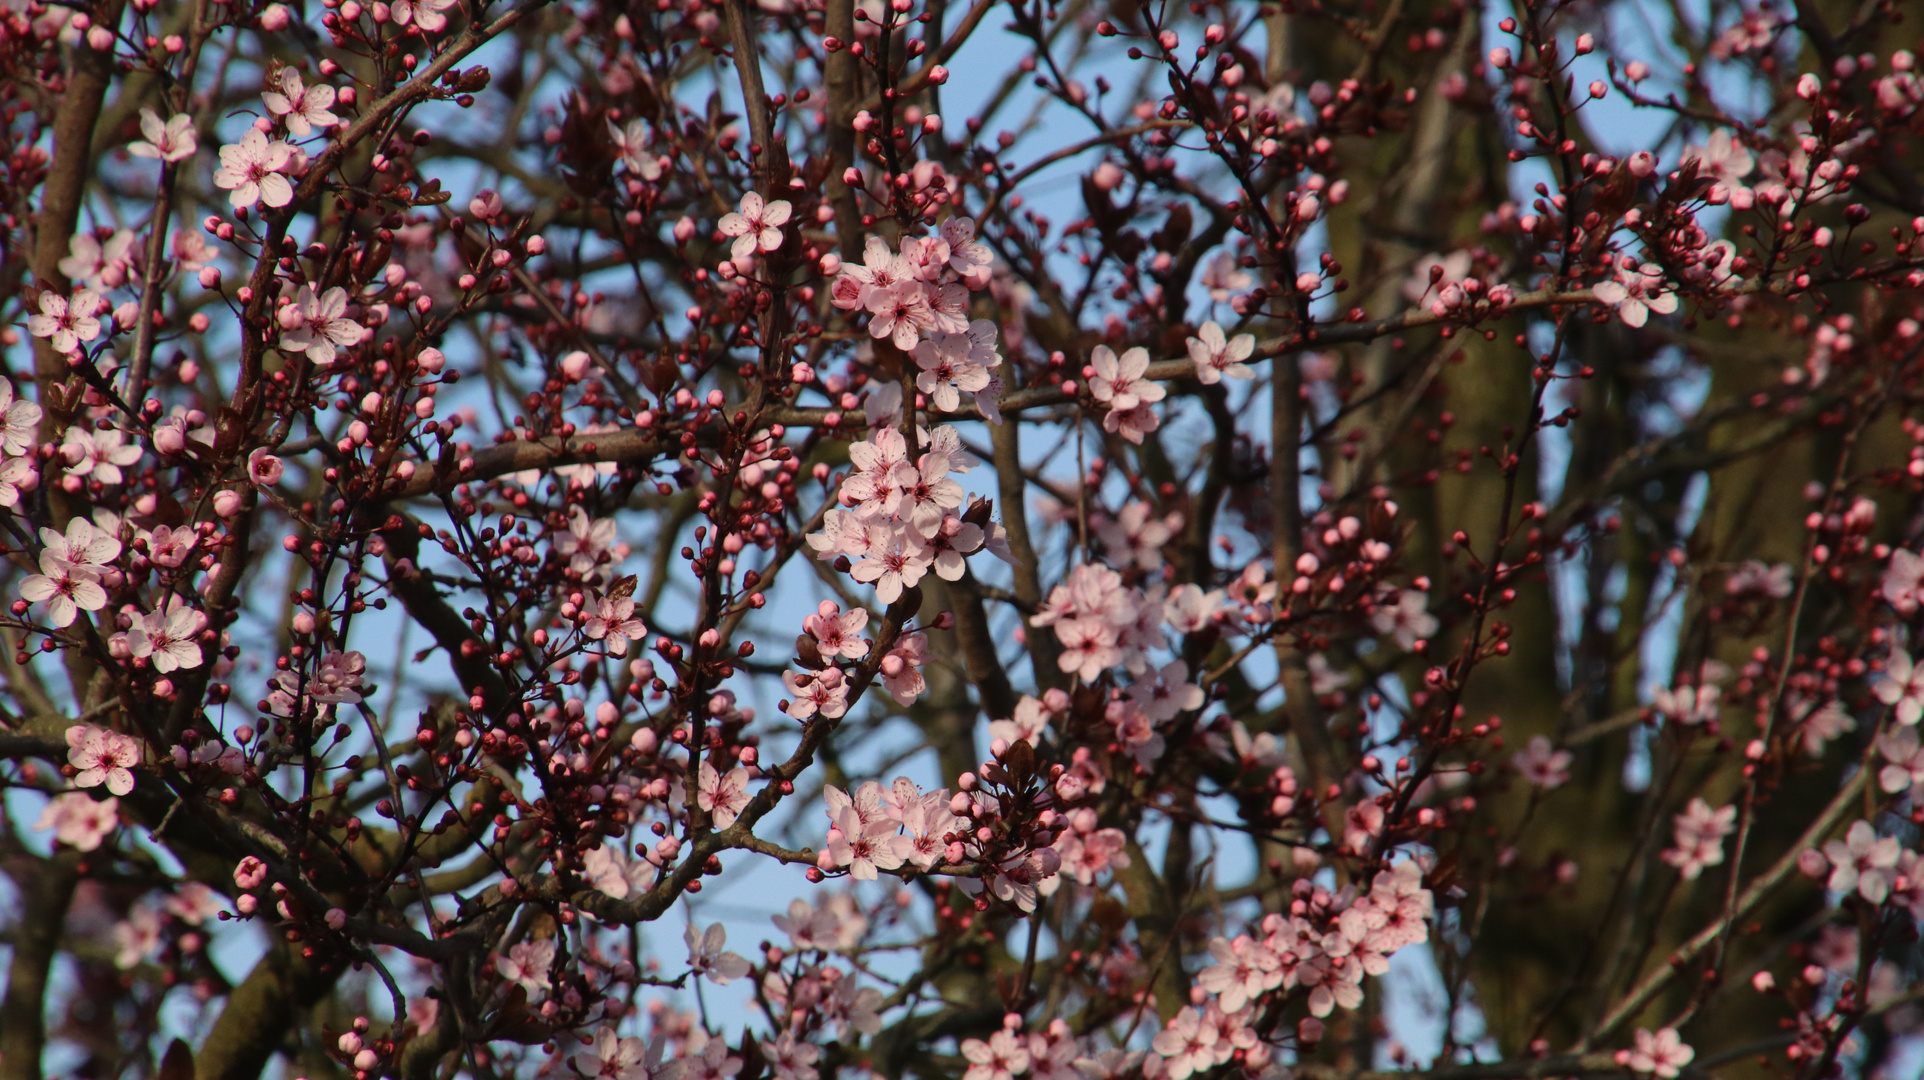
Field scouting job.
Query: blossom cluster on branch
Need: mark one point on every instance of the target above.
(478, 479)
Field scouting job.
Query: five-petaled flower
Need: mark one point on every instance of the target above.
(631, 145)
(19, 421)
(707, 958)
(102, 757)
(303, 108)
(67, 323)
(1542, 765)
(1004, 1056)
(79, 820)
(614, 1057)
(99, 454)
(1902, 685)
(316, 323)
(1863, 862)
(169, 639)
(426, 14)
(170, 140)
(66, 588)
(1700, 833)
(612, 618)
(1662, 1054)
(251, 170)
(1216, 355)
(723, 795)
(756, 227)
(1636, 291)
(824, 692)
(1122, 384)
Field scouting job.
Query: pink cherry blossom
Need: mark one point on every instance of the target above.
(1636, 292)
(1862, 862)
(137, 938)
(898, 564)
(101, 266)
(790, 1058)
(1404, 614)
(900, 312)
(317, 324)
(1216, 356)
(264, 468)
(613, 1057)
(612, 619)
(103, 757)
(757, 226)
(66, 323)
(529, 965)
(865, 847)
(723, 795)
(836, 633)
(1902, 685)
(302, 108)
(169, 141)
(1004, 1056)
(1542, 765)
(426, 14)
(825, 692)
(1243, 970)
(17, 476)
(1120, 381)
(1725, 161)
(66, 589)
(1700, 833)
(948, 370)
(631, 146)
(19, 420)
(168, 638)
(1902, 750)
(79, 820)
(609, 870)
(1223, 278)
(708, 958)
(1899, 587)
(251, 171)
(1187, 1044)
(1662, 1054)
(99, 454)
(587, 542)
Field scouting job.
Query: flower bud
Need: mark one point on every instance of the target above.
(1812, 864)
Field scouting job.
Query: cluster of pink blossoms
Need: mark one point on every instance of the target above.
(903, 517)
(1102, 623)
(898, 519)
(1700, 833)
(19, 422)
(1052, 1054)
(335, 680)
(877, 828)
(258, 168)
(1327, 943)
(72, 567)
(920, 291)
